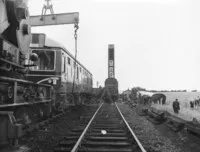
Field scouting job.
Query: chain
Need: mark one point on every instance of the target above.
(75, 37)
(75, 31)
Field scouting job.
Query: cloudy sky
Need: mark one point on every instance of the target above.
(157, 42)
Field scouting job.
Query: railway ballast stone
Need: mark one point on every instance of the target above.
(44, 139)
(146, 132)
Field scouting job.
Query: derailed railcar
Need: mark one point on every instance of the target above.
(21, 100)
(56, 66)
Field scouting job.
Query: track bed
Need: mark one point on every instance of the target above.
(108, 131)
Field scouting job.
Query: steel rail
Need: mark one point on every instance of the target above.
(75, 148)
(133, 134)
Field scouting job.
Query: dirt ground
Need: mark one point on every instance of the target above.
(154, 138)
(159, 138)
(45, 138)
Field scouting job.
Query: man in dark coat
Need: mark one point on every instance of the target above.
(191, 104)
(176, 106)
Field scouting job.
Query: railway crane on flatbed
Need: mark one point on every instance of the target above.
(22, 100)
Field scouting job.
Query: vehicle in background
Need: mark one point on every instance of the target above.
(56, 66)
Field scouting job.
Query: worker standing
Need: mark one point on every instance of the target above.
(191, 104)
(176, 106)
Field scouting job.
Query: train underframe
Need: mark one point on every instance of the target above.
(21, 103)
(65, 99)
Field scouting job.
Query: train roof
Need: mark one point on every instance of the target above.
(50, 44)
(146, 93)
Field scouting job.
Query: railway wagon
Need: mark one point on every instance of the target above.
(111, 83)
(20, 99)
(56, 66)
(111, 89)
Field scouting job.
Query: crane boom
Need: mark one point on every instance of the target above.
(56, 19)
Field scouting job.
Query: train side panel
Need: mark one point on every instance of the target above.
(59, 71)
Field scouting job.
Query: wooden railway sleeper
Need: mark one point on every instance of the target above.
(115, 136)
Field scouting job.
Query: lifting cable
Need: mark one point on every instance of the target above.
(76, 27)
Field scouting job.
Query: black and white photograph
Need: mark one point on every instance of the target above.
(99, 76)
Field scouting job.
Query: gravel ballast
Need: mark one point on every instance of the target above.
(44, 139)
(151, 139)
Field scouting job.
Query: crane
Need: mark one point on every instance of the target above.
(53, 19)
(15, 38)
(57, 19)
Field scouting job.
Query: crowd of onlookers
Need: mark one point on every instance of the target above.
(176, 104)
(195, 103)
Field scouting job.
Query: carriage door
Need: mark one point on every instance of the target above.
(64, 73)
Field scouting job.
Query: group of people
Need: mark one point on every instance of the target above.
(195, 103)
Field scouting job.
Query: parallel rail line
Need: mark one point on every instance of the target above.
(53, 130)
(106, 131)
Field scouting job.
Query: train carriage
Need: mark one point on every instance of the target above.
(21, 100)
(111, 87)
(31, 80)
(56, 66)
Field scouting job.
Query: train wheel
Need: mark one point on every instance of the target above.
(22, 116)
(1, 98)
(70, 99)
(10, 94)
(34, 113)
(66, 102)
(26, 94)
(45, 110)
(53, 96)
(42, 93)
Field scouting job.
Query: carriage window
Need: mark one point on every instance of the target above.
(77, 73)
(63, 64)
(68, 60)
(74, 64)
(45, 60)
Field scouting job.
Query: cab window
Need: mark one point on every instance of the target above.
(45, 60)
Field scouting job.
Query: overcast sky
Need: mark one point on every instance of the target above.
(157, 42)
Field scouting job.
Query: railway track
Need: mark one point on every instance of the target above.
(106, 131)
(48, 133)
